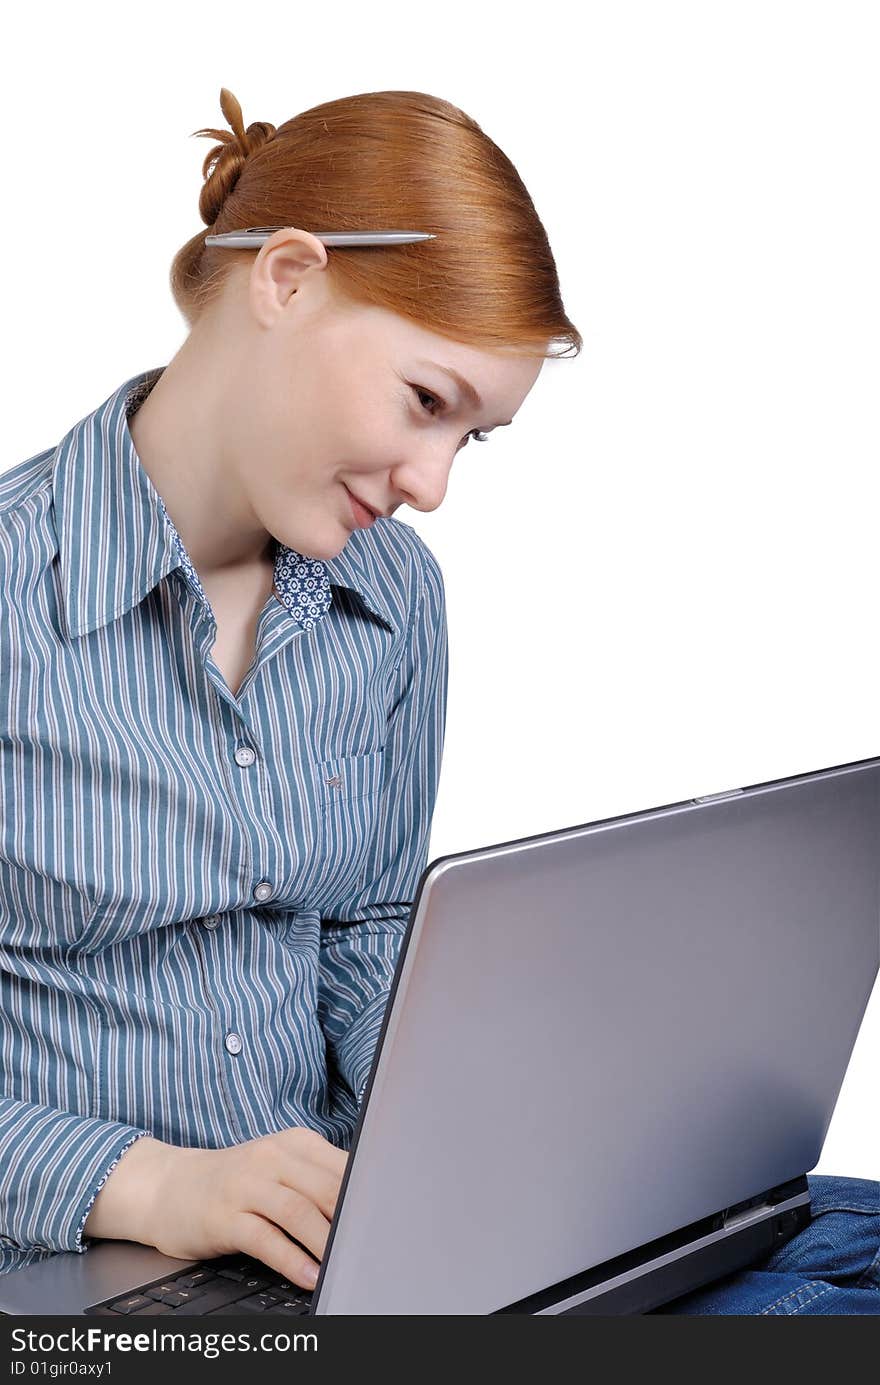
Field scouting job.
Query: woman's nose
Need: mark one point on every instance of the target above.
(422, 480)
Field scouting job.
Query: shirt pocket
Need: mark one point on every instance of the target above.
(347, 790)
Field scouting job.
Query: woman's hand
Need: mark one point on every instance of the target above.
(199, 1203)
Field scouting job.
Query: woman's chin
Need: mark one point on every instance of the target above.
(325, 549)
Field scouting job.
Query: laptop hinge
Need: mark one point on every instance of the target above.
(750, 1214)
(720, 1244)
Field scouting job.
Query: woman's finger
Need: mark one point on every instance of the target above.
(318, 1184)
(264, 1241)
(293, 1212)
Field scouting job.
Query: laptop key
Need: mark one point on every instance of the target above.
(170, 1292)
(158, 1290)
(194, 1278)
(265, 1299)
(293, 1296)
(215, 1296)
(132, 1304)
(255, 1282)
(247, 1275)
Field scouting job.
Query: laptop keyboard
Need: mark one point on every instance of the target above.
(229, 1284)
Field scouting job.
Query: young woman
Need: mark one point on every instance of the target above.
(223, 693)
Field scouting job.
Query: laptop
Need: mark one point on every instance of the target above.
(609, 1058)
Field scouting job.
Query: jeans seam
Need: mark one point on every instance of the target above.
(869, 1280)
(844, 1207)
(793, 1294)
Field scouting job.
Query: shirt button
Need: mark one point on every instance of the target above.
(211, 921)
(233, 1043)
(244, 755)
(263, 890)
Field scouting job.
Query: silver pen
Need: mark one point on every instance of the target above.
(251, 236)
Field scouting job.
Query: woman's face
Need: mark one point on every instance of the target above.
(333, 397)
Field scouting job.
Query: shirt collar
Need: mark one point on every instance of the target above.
(116, 539)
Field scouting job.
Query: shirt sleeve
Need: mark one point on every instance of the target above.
(52, 1167)
(361, 941)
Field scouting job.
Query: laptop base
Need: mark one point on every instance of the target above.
(673, 1265)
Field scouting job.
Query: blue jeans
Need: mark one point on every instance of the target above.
(832, 1266)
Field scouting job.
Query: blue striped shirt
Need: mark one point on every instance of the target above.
(202, 895)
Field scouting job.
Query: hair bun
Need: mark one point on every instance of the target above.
(222, 166)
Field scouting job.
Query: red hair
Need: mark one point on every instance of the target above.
(388, 159)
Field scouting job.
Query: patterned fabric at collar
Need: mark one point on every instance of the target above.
(116, 538)
(302, 583)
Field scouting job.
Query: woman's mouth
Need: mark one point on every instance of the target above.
(363, 517)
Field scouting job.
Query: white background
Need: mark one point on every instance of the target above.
(662, 581)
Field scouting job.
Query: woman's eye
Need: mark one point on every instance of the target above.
(475, 433)
(427, 395)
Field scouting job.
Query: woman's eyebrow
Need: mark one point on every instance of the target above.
(464, 386)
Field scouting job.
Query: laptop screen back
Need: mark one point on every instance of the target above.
(600, 1035)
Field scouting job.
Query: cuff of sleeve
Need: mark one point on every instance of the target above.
(81, 1244)
(50, 1164)
(355, 1052)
